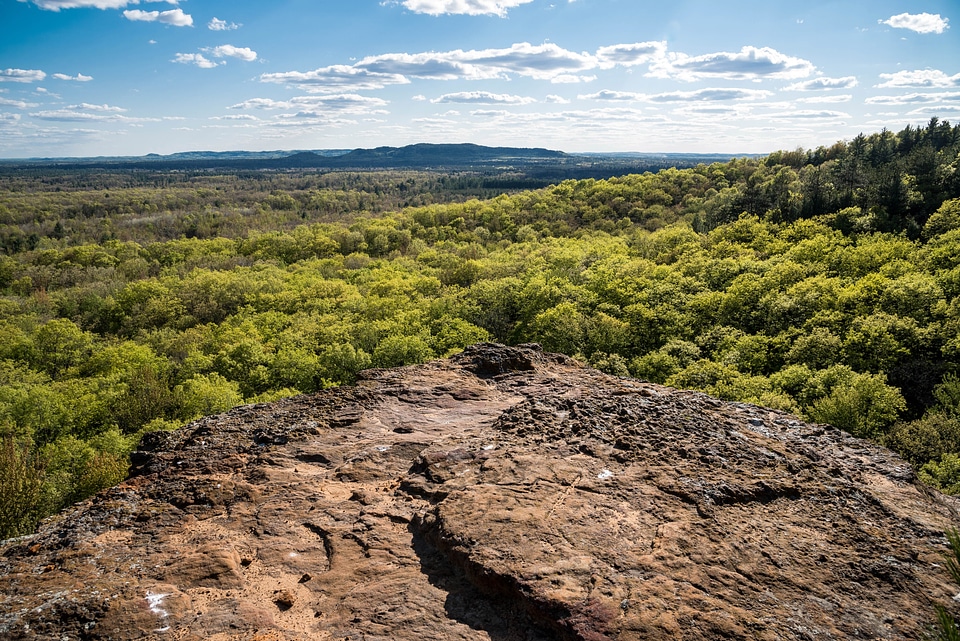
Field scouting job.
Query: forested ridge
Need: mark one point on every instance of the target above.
(824, 282)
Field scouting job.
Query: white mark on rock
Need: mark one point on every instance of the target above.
(604, 475)
(487, 448)
(155, 601)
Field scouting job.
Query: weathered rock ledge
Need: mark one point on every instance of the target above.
(502, 494)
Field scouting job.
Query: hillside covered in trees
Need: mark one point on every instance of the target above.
(824, 282)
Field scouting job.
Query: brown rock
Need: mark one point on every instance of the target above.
(502, 494)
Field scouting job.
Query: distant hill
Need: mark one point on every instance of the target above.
(542, 166)
(424, 156)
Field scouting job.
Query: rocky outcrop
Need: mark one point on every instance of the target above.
(501, 494)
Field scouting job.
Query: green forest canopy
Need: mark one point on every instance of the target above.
(821, 282)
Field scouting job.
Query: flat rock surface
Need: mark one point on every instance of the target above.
(503, 494)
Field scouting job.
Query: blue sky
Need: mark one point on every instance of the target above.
(131, 77)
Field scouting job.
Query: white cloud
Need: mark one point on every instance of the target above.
(818, 84)
(57, 5)
(546, 61)
(74, 115)
(919, 79)
(825, 99)
(557, 100)
(542, 62)
(614, 96)
(940, 111)
(222, 25)
(235, 117)
(21, 75)
(196, 59)
(77, 78)
(628, 55)
(335, 78)
(19, 104)
(570, 78)
(808, 115)
(312, 105)
(260, 103)
(243, 53)
(750, 63)
(419, 98)
(482, 98)
(914, 98)
(919, 22)
(175, 17)
(101, 108)
(462, 7)
(700, 95)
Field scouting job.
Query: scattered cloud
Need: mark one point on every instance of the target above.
(802, 114)
(197, 59)
(175, 17)
(350, 103)
(419, 98)
(914, 98)
(918, 79)
(614, 96)
(101, 108)
(461, 7)
(224, 51)
(628, 55)
(75, 115)
(235, 117)
(482, 98)
(77, 78)
(57, 5)
(700, 95)
(556, 100)
(21, 75)
(19, 104)
(216, 24)
(552, 63)
(823, 83)
(919, 22)
(335, 78)
(750, 63)
(825, 99)
(541, 62)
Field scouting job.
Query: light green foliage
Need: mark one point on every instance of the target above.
(943, 474)
(206, 394)
(862, 404)
(800, 281)
(394, 351)
(21, 488)
(946, 218)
